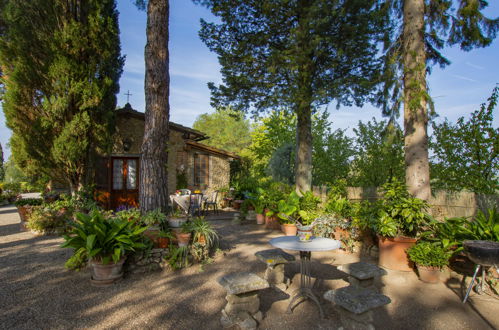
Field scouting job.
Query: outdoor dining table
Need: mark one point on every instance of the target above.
(186, 202)
(306, 249)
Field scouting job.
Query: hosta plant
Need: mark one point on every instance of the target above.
(95, 237)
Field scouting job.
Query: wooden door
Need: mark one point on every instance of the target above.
(125, 182)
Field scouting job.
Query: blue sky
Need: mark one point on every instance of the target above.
(458, 89)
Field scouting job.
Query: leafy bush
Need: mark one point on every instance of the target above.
(453, 231)
(96, 237)
(154, 217)
(429, 255)
(48, 220)
(129, 214)
(29, 202)
(399, 214)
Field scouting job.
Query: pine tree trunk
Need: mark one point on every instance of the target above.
(153, 189)
(304, 60)
(417, 173)
(303, 163)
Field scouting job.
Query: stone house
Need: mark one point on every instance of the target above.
(191, 164)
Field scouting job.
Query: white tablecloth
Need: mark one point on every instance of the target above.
(316, 244)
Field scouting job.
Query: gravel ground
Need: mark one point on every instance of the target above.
(36, 292)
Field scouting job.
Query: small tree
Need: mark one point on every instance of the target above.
(379, 154)
(466, 154)
(227, 129)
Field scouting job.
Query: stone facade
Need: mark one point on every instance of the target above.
(183, 146)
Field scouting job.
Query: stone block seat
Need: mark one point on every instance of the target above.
(275, 259)
(355, 305)
(362, 274)
(243, 303)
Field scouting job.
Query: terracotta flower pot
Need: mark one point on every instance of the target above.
(272, 223)
(24, 213)
(236, 204)
(340, 233)
(429, 274)
(163, 242)
(260, 219)
(202, 240)
(103, 275)
(289, 229)
(392, 253)
(183, 239)
(153, 235)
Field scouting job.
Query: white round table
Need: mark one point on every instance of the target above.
(306, 249)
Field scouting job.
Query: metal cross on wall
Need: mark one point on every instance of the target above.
(128, 96)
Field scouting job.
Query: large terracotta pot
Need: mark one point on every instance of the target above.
(392, 253)
(272, 223)
(289, 229)
(429, 274)
(103, 275)
(260, 219)
(24, 213)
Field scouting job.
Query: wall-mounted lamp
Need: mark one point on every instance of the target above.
(127, 144)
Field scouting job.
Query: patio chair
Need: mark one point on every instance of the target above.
(195, 203)
(211, 201)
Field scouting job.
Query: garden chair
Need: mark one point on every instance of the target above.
(195, 203)
(211, 201)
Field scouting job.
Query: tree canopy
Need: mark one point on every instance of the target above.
(420, 30)
(228, 129)
(466, 153)
(296, 55)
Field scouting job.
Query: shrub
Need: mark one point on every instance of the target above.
(398, 213)
(429, 255)
(29, 202)
(47, 220)
(96, 237)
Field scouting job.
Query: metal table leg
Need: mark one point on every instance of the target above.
(305, 290)
(477, 268)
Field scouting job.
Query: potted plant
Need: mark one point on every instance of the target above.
(152, 220)
(104, 243)
(287, 208)
(177, 218)
(203, 232)
(259, 205)
(25, 207)
(429, 259)
(399, 219)
(183, 234)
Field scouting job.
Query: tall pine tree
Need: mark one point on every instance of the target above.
(153, 190)
(297, 55)
(61, 62)
(426, 26)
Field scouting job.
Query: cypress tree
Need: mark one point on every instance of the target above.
(61, 63)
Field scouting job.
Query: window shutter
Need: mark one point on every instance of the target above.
(102, 166)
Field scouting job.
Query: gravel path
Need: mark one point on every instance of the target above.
(36, 292)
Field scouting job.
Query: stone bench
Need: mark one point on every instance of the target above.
(275, 259)
(243, 303)
(355, 305)
(362, 274)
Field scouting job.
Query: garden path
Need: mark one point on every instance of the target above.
(37, 292)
